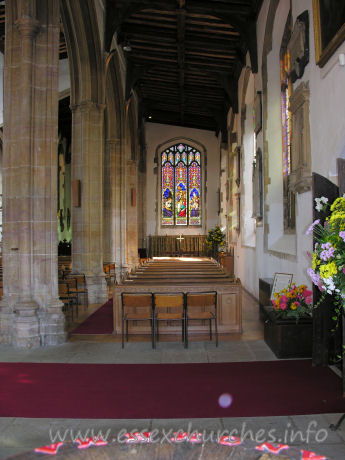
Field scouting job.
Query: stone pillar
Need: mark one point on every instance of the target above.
(30, 311)
(111, 191)
(118, 184)
(87, 215)
(132, 217)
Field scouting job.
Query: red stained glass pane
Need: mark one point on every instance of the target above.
(181, 186)
(194, 194)
(181, 194)
(168, 194)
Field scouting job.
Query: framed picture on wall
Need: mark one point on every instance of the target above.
(238, 166)
(238, 212)
(257, 113)
(329, 28)
(257, 190)
(280, 282)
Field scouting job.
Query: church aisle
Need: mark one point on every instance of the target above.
(21, 434)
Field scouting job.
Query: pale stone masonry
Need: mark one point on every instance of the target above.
(30, 311)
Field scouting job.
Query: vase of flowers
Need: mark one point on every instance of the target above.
(327, 269)
(214, 240)
(288, 327)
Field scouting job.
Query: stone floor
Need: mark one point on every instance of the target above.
(309, 432)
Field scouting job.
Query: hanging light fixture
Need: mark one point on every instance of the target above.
(126, 46)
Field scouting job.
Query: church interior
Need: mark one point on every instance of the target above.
(170, 158)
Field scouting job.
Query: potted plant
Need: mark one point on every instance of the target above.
(214, 239)
(288, 327)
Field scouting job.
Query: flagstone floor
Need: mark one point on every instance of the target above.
(308, 432)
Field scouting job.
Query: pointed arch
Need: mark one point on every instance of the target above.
(83, 42)
(115, 108)
(181, 189)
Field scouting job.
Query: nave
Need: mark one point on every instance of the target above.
(98, 349)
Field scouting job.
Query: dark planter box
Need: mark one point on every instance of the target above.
(265, 287)
(286, 338)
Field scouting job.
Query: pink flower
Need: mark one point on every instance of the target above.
(306, 293)
(283, 306)
(283, 299)
(308, 300)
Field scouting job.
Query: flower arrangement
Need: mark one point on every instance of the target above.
(215, 237)
(327, 270)
(293, 302)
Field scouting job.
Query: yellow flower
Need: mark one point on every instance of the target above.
(314, 261)
(337, 215)
(293, 306)
(327, 270)
(338, 204)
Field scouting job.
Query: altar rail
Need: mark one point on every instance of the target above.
(173, 246)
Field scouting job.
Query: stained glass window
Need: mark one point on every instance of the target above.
(181, 186)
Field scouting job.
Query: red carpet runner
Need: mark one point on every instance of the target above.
(135, 391)
(100, 322)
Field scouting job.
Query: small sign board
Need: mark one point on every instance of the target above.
(280, 281)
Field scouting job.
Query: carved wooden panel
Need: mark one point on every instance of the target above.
(300, 178)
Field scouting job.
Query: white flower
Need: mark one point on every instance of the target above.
(329, 285)
(320, 203)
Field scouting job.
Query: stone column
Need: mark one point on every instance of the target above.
(30, 311)
(111, 190)
(132, 217)
(117, 204)
(87, 216)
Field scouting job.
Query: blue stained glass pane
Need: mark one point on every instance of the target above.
(194, 194)
(167, 195)
(184, 157)
(181, 194)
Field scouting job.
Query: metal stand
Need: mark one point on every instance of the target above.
(337, 425)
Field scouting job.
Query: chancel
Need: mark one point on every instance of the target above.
(160, 167)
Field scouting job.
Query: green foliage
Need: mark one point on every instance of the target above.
(215, 237)
(327, 269)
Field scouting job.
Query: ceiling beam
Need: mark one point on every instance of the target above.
(181, 23)
(187, 55)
